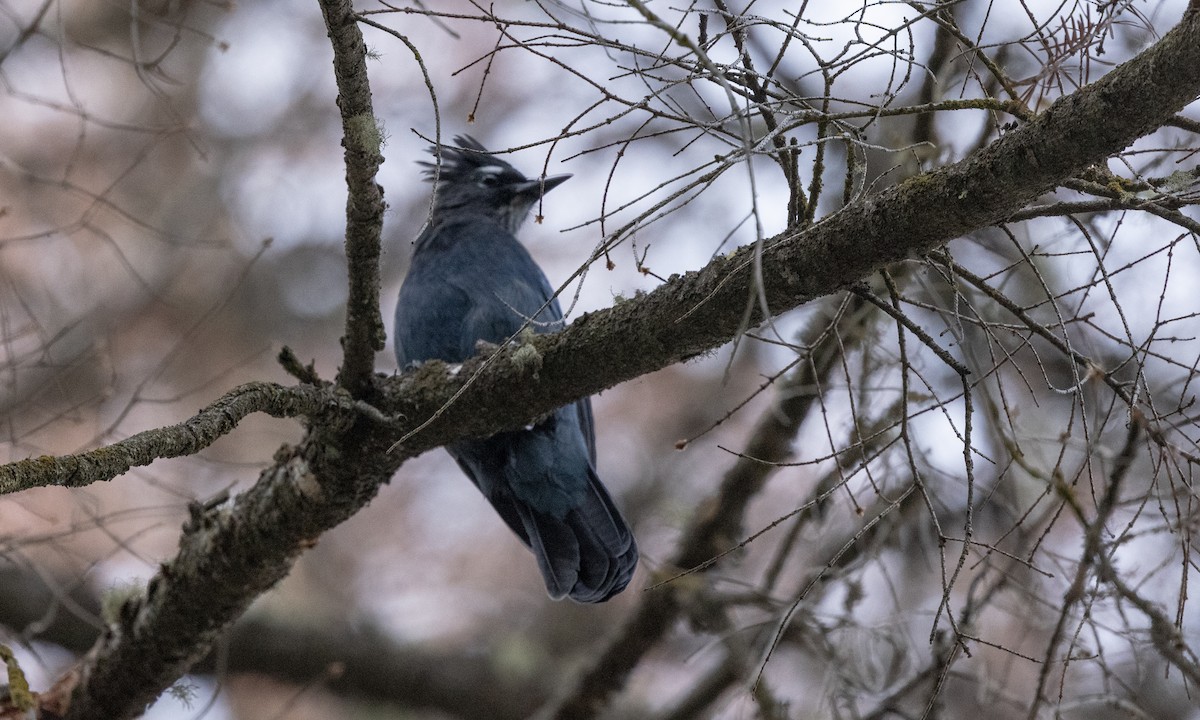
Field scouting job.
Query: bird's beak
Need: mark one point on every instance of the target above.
(541, 186)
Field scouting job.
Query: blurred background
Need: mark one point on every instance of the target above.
(171, 215)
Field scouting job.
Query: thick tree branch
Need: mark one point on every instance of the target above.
(702, 310)
(229, 556)
(357, 661)
(363, 142)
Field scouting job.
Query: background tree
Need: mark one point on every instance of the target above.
(958, 480)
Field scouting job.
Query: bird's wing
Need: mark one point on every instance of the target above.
(584, 408)
(508, 293)
(428, 313)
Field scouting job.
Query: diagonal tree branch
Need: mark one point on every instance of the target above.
(699, 311)
(354, 659)
(228, 556)
(713, 530)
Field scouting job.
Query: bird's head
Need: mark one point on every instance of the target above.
(473, 180)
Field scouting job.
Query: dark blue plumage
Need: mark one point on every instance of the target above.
(470, 280)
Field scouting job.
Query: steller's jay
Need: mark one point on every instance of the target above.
(470, 280)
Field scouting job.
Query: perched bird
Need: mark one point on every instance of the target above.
(471, 280)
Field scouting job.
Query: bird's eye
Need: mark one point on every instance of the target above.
(489, 181)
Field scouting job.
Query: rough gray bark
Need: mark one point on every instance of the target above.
(230, 555)
(348, 659)
(186, 438)
(363, 141)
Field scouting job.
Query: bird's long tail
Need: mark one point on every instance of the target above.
(589, 553)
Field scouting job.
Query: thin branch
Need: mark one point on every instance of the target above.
(363, 141)
(186, 438)
(1095, 553)
(229, 556)
(715, 527)
(699, 311)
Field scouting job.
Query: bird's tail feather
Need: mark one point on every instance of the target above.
(588, 554)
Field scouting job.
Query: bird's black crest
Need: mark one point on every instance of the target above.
(460, 162)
